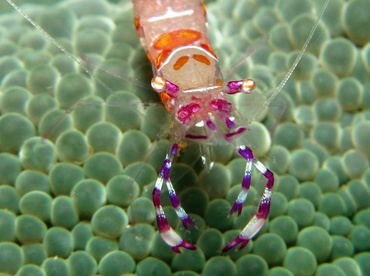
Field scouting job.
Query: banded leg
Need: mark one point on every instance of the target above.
(257, 221)
(168, 234)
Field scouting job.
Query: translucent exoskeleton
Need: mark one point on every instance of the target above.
(190, 84)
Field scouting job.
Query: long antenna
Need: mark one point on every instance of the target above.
(295, 63)
(57, 44)
(50, 38)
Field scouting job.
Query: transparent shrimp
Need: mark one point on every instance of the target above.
(190, 84)
(188, 79)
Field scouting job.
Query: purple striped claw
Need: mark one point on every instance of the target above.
(243, 243)
(258, 220)
(168, 234)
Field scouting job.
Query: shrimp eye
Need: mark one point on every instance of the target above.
(248, 85)
(158, 84)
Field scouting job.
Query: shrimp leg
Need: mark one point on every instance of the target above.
(258, 220)
(168, 234)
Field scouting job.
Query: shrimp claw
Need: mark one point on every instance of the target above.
(257, 221)
(168, 234)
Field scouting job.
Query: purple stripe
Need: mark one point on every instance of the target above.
(174, 200)
(264, 209)
(230, 124)
(162, 223)
(156, 197)
(270, 179)
(196, 137)
(233, 133)
(210, 125)
(246, 153)
(174, 149)
(246, 181)
(165, 171)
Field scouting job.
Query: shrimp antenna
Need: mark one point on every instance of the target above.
(295, 63)
(79, 62)
(249, 53)
(57, 44)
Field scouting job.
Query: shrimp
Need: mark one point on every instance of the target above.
(188, 79)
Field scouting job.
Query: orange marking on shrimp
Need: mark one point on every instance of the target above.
(202, 59)
(180, 62)
(204, 8)
(165, 98)
(219, 82)
(209, 49)
(162, 57)
(175, 39)
(137, 23)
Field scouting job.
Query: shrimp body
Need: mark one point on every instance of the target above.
(185, 67)
(188, 79)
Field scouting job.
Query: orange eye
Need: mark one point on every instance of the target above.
(248, 85)
(158, 84)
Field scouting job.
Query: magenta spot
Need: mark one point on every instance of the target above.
(156, 197)
(172, 89)
(174, 149)
(165, 170)
(264, 209)
(186, 112)
(234, 87)
(162, 223)
(230, 124)
(246, 181)
(222, 105)
(210, 125)
(233, 133)
(183, 115)
(270, 179)
(175, 200)
(194, 107)
(246, 153)
(196, 137)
